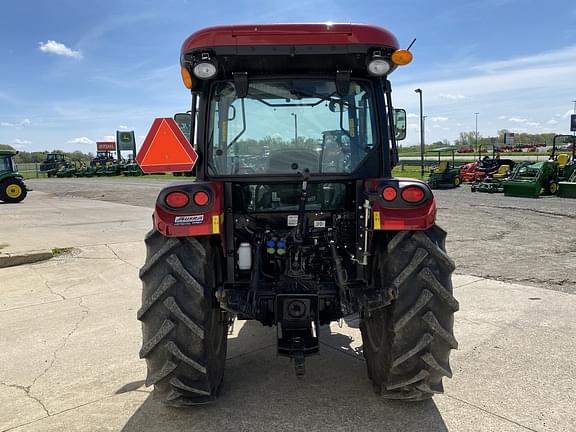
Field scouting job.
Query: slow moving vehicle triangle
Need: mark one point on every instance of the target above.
(166, 149)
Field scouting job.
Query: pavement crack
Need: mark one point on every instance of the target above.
(26, 390)
(491, 413)
(120, 258)
(85, 311)
(54, 292)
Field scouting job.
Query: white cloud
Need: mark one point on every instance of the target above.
(109, 138)
(439, 119)
(80, 140)
(532, 124)
(563, 55)
(502, 117)
(567, 114)
(552, 122)
(24, 122)
(450, 96)
(123, 127)
(21, 142)
(411, 115)
(57, 48)
(517, 120)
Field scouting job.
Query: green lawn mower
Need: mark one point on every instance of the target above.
(444, 175)
(12, 188)
(493, 183)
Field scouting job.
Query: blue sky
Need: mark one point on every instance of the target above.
(73, 72)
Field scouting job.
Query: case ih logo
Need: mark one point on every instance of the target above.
(105, 146)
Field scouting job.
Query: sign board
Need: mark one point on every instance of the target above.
(508, 138)
(573, 123)
(166, 149)
(126, 141)
(103, 146)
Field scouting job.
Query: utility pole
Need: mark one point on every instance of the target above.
(419, 91)
(476, 135)
(574, 133)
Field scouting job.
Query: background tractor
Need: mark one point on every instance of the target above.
(529, 179)
(12, 187)
(52, 164)
(313, 232)
(444, 174)
(566, 160)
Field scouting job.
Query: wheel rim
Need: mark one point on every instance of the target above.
(13, 191)
(553, 188)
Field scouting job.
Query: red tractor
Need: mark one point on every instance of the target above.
(281, 228)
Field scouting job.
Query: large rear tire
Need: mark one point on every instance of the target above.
(407, 344)
(12, 190)
(184, 330)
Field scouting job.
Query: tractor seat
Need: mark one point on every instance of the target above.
(563, 159)
(441, 168)
(292, 161)
(503, 171)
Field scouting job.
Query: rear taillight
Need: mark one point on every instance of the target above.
(389, 193)
(201, 198)
(177, 199)
(412, 194)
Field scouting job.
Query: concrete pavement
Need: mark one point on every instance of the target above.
(69, 341)
(33, 229)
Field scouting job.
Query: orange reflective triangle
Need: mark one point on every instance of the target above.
(166, 149)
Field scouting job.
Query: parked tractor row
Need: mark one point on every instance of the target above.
(530, 178)
(520, 179)
(103, 165)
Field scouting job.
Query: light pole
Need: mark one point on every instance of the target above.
(419, 91)
(476, 135)
(295, 128)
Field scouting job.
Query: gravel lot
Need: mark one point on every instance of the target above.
(520, 240)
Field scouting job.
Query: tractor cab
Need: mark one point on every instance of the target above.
(12, 188)
(444, 174)
(294, 219)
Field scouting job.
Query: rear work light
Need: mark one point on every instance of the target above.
(205, 68)
(412, 194)
(201, 198)
(378, 66)
(177, 199)
(389, 193)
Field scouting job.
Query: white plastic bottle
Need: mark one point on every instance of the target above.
(244, 256)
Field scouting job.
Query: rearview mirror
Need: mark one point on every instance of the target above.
(400, 124)
(184, 122)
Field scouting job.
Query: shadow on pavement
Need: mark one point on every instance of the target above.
(261, 393)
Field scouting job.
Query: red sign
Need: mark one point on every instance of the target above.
(102, 146)
(166, 149)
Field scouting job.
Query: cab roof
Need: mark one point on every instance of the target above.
(289, 34)
(8, 152)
